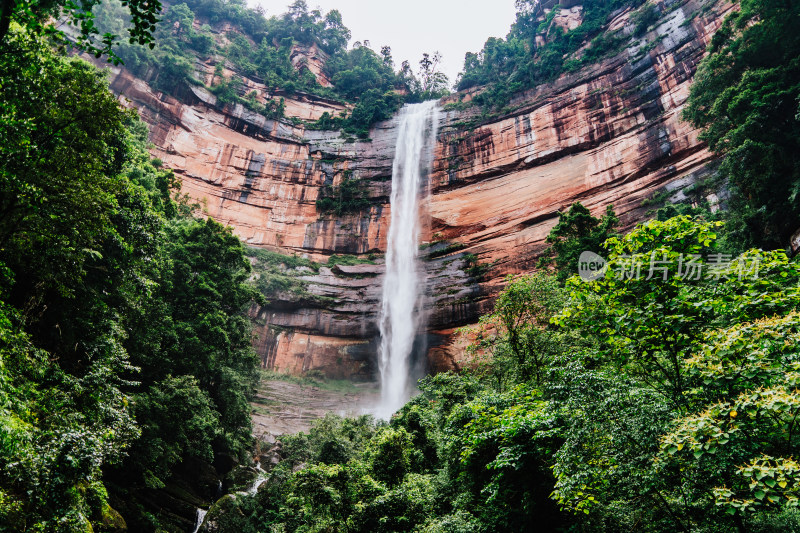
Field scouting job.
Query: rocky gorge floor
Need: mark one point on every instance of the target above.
(283, 407)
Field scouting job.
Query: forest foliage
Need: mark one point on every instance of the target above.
(648, 403)
(746, 97)
(263, 48)
(661, 397)
(125, 348)
(536, 51)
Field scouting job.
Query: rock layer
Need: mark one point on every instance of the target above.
(608, 134)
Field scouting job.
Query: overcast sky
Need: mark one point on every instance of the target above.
(411, 27)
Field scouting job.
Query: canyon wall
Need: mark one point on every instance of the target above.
(608, 134)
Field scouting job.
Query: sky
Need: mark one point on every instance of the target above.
(411, 27)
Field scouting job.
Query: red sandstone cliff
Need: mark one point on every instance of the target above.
(609, 134)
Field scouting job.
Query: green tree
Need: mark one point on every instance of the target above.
(168, 65)
(194, 323)
(36, 17)
(331, 440)
(578, 231)
(178, 422)
(180, 19)
(745, 97)
(738, 439)
(661, 378)
(389, 455)
(359, 70)
(118, 310)
(500, 447)
(652, 306)
(70, 248)
(516, 335)
(433, 83)
(520, 61)
(48, 229)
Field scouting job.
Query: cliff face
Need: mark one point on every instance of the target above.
(609, 134)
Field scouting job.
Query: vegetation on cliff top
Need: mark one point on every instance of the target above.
(263, 49)
(536, 50)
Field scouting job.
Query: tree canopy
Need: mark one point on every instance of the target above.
(577, 231)
(125, 348)
(661, 397)
(536, 51)
(745, 97)
(266, 50)
(37, 17)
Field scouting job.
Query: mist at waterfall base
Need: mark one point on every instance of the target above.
(402, 303)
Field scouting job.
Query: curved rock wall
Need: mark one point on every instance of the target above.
(609, 134)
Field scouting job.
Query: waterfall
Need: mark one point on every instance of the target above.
(261, 478)
(201, 515)
(402, 305)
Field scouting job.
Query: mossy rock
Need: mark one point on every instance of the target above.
(111, 521)
(82, 524)
(217, 514)
(240, 478)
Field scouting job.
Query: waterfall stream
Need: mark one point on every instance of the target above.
(261, 478)
(402, 305)
(201, 515)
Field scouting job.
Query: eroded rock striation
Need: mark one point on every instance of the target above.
(608, 134)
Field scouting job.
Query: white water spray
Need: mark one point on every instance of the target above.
(201, 515)
(401, 306)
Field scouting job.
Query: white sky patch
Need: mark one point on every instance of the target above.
(411, 27)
